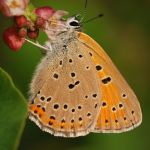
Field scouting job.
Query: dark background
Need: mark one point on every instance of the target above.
(124, 32)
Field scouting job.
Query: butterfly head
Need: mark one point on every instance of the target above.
(73, 23)
(57, 24)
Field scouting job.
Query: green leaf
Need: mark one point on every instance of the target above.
(13, 112)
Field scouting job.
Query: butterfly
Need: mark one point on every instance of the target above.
(76, 89)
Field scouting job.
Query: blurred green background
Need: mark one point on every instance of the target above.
(124, 32)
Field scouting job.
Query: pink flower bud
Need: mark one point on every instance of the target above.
(40, 22)
(13, 7)
(12, 39)
(22, 32)
(44, 12)
(21, 21)
(33, 34)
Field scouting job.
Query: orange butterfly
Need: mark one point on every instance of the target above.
(77, 89)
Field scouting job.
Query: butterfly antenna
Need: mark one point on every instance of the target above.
(94, 18)
(85, 10)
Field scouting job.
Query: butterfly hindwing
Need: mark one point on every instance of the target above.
(120, 110)
(67, 101)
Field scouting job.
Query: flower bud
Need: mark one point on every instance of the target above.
(33, 34)
(21, 21)
(22, 32)
(13, 7)
(44, 12)
(40, 22)
(12, 39)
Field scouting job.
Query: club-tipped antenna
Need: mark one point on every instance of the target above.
(94, 18)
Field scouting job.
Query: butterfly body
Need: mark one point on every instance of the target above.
(77, 89)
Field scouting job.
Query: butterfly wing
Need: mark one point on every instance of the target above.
(120, 110)
(65, 92)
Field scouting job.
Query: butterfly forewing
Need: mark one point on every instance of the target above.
(120, 110)
(65, 96)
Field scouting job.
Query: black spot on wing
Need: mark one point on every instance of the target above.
(106, 80)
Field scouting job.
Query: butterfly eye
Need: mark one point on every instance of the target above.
(73, 23)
